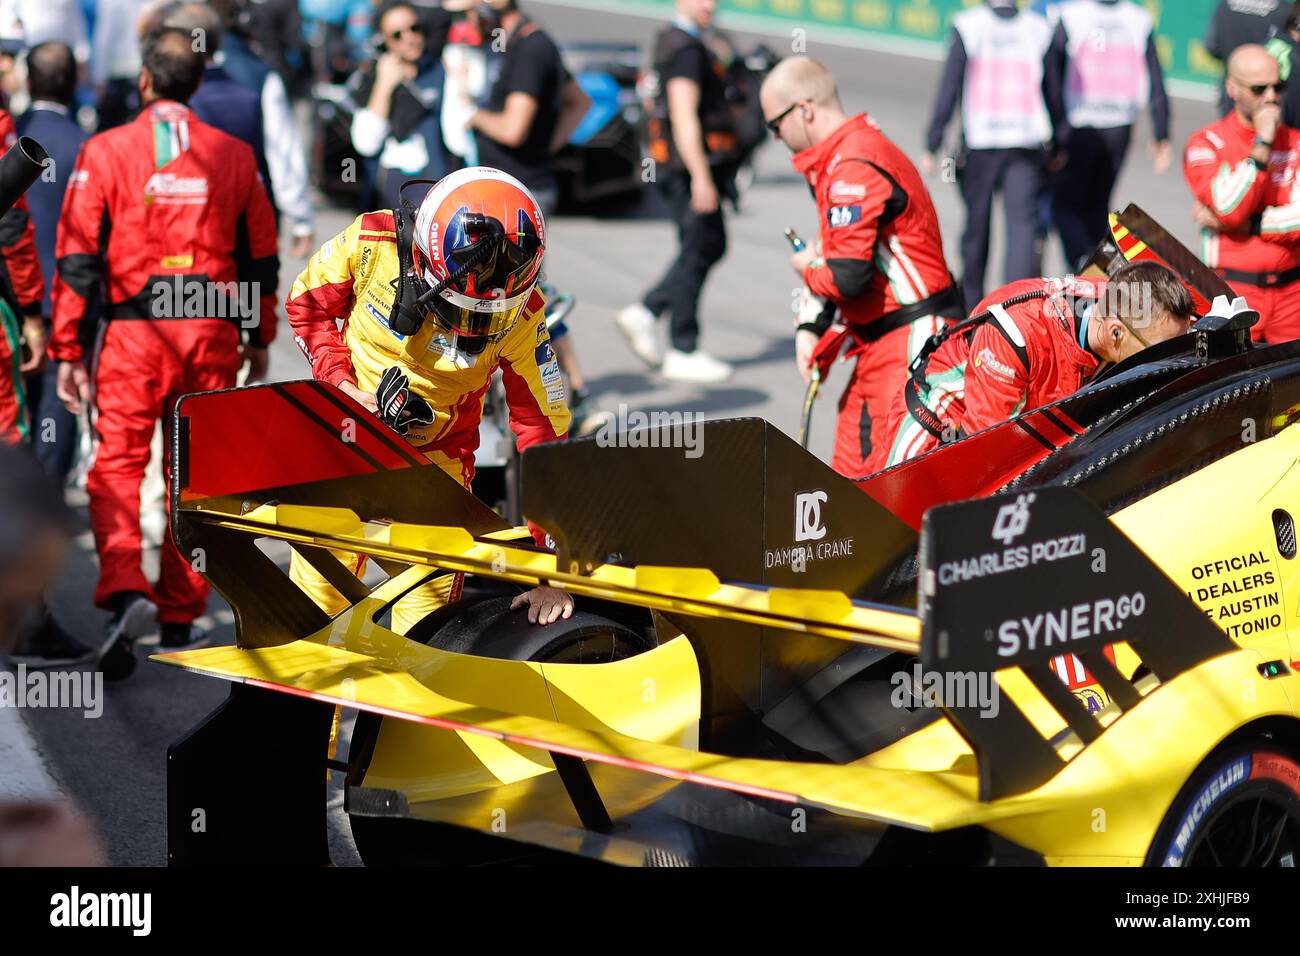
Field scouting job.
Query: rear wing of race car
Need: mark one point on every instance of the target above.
(1011, 582)
(734, 519)
(303, 463)
(1007, 584)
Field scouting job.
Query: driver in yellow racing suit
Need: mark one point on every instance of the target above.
(433, 301)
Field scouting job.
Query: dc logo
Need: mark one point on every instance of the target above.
(1012, 520)
(808, 516)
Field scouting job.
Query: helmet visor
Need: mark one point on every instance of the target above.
(470, 315)
(491, 274)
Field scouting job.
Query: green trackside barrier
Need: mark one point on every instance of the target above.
(923, 26)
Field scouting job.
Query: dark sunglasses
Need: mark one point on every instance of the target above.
(1278, 87)
(774, 124)
(417, 29)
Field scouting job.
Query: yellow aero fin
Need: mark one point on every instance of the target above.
(695, 582)
(347, 678)
(694, 591)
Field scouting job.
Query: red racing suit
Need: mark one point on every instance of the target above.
(1026, 355)
(22, 289)
(352, 278)
(881, 251)
(166, 222)
(1258, 248)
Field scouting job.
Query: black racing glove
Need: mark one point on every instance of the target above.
(399, 409)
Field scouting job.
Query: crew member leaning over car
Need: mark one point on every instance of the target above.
(477, 242)
(1242, 173)
(878, 256)
(1031, 343)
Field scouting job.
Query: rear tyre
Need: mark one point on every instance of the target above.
(483, 628)
(1241, 808)
(490, 629)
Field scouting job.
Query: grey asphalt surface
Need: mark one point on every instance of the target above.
(114, 766)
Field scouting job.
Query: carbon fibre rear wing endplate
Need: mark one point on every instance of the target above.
(1013, 581)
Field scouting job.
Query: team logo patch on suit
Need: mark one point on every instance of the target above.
(549, 366)
(846, 191)
(840, 216)
(382, 320)
(986, 359)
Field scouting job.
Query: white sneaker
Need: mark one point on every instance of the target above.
(637, 323)
(697, 366)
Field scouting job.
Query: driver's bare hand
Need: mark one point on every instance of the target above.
(365, 399)
(545, 605)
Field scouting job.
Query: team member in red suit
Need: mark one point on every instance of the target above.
(1242, 171)
(878, 255)
(1031, 343)
(166, 219)
(21, 291)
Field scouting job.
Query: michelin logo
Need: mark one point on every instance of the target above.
(1227, 779)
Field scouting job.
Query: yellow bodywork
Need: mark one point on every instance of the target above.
(468, 724)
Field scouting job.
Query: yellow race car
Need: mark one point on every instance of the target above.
(1065, 640)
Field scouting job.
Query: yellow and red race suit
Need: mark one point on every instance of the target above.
(352, 279)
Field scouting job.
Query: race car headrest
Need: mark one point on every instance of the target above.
(1225, 315)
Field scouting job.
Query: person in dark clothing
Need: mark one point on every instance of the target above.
(1112, 70)
(221, 101)
(1002, 69)
(532, 104)
(1284, 45)
(52, 437)
(399, 126)
(275, 28)
(286, 159)
(694, 149)
(52, 85)
(1236, 23)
